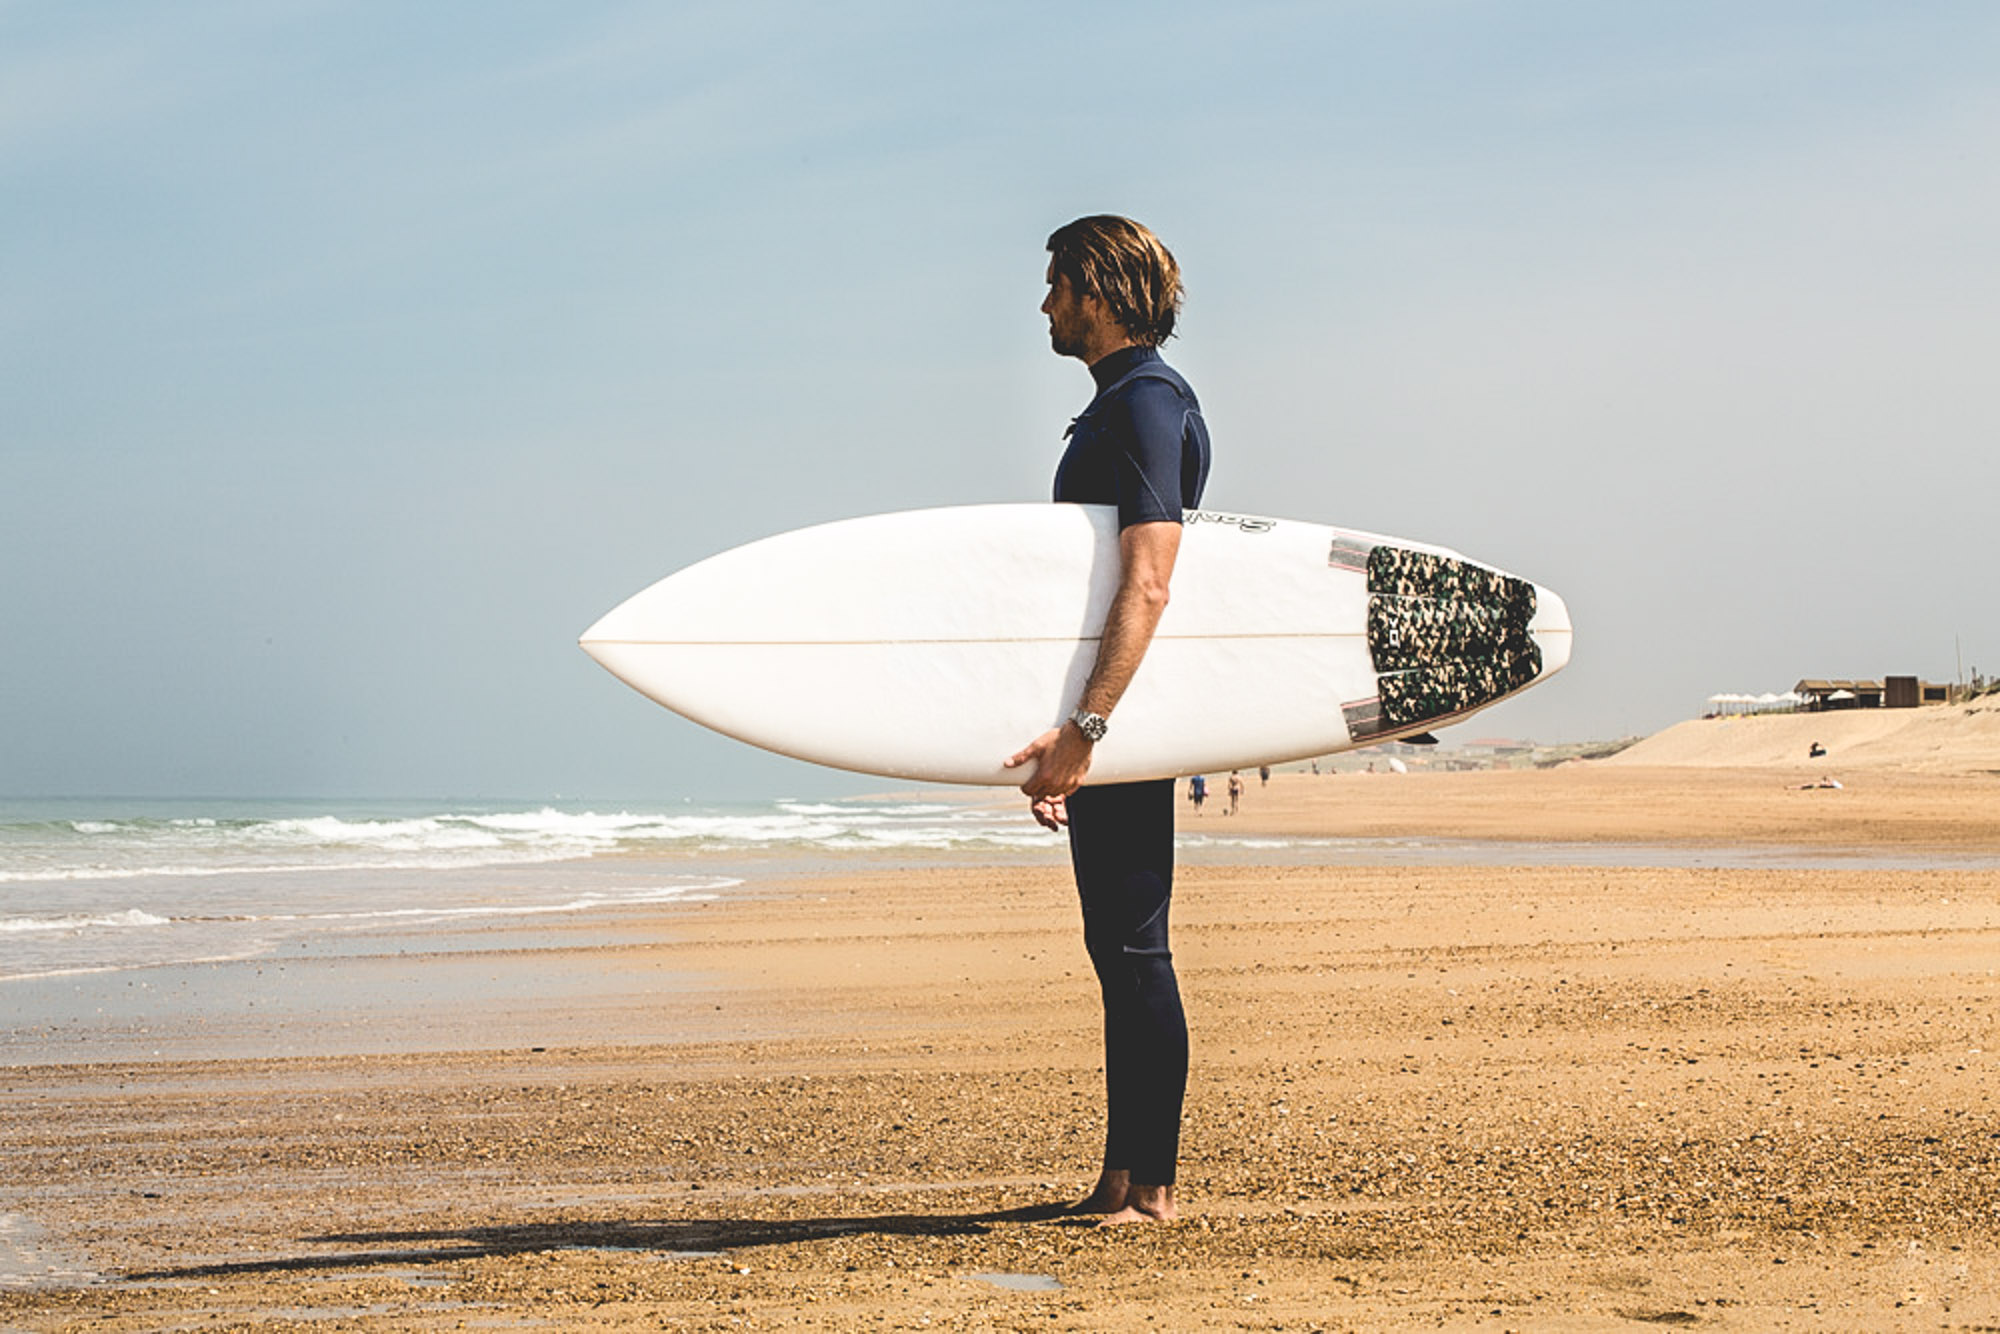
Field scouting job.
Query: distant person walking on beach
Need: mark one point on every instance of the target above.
(1197, 792)
(1235, 790)
(1114, 293)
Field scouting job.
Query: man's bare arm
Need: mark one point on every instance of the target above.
(1147, 552)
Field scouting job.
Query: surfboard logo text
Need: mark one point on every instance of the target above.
(1243, 522)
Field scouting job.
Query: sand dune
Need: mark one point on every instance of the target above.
(1962, 738)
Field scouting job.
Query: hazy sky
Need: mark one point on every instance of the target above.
(355, 356)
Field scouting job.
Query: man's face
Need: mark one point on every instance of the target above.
(1067, 321)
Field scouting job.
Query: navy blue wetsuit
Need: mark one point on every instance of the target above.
(1141, 445)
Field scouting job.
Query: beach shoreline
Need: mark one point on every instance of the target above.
(1609, 802)
(1481, 1097)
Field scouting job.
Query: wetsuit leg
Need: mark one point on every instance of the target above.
(1122, 847)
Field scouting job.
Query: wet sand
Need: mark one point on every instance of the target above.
(1423, 1097)
(1617, 803)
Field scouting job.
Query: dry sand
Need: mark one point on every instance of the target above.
(1960, 738)
(1437, 1097)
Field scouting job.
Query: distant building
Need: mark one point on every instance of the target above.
(1907, 692)
(1824, 695)
(1893, 692)
(1499, 748)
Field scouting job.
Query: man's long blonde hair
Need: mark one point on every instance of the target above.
(1127, 266)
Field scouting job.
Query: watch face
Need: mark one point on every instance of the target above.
(1091, 725)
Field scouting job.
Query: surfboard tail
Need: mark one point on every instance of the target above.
(1447, 636)
(1551, 630)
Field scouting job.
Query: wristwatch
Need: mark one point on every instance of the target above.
(1092, 725)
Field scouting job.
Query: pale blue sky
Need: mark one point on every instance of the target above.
(354, 357)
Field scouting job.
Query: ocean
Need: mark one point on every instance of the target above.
(100, 885)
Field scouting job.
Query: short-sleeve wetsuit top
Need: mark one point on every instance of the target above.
(1141, 444)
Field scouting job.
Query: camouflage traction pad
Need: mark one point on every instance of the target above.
(1445, 636)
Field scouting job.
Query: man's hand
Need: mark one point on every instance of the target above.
(1061, 757)
(1048, 800)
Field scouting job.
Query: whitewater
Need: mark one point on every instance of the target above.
(93, 885)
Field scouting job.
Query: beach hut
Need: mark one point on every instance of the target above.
(1824, 694)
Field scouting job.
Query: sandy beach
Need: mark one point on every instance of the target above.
(1571, 1096)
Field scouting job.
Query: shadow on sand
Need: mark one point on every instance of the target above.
(694, 1236)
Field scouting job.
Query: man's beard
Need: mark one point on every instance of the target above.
(1065, 342)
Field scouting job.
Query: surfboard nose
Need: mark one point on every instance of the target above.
(1551, 630)
(594, 640)
(635, 620)
(607, 639)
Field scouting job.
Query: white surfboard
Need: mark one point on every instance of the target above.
(933, 644)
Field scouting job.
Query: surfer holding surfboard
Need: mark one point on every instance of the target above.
(982, 623)
(1114, 293)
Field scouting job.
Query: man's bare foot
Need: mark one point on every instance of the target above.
(1144, 1204)
(1107, 1197)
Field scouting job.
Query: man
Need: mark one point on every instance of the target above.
(1141, 445)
